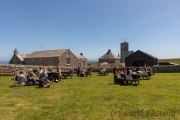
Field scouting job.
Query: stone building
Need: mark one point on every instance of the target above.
(82, 59)
(62, 58)
(124, 50)
(110, 58)
(17, 58)
(140, 58)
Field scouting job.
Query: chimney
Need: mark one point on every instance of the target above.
(15, 52)
(81, 54)
(109, 50)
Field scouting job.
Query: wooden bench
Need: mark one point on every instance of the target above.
(136, 81)
(147, 77)
(106, 73)
(124, 81)
(7, 71)
(88, 73)
(66, 74)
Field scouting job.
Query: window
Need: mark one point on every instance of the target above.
(68, 61)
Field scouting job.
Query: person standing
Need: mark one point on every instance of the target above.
(115, 75)
(78, 71)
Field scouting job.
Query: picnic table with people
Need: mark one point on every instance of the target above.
(103, 71)
(133, 75)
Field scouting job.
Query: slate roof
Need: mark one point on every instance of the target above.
(46, 53)
(21, 56)
(79, 56)
(147, 54)
(109, 55)
(143, 53)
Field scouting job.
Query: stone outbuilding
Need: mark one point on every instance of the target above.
(110, 58)
(62, 58)
(140, 58)
(82, 59)
(17, 58)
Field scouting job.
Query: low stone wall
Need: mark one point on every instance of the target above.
(159, 69)
(25, 68)
(167, 68)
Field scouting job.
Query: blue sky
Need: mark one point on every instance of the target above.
(90, 26)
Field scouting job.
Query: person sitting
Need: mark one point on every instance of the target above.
(149, 70)
(100, 71)
(43, 72)
(128, 74)
(44, 82)
(144, 71)
(71, 71)
(104, 72)
(122, 71)
(31, 80)
(39, 71)
(49, 69)
(83, 73)
(115, 75)
(21, 79)
(56, 76)
(138, 71)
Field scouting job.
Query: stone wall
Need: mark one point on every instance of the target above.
(167, 68)
(25, 68)
(159, 69)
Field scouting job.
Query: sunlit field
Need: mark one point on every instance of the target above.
(93, 98)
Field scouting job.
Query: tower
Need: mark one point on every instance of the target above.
(124, 51)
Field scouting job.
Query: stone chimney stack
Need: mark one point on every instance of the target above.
(15, 52)
(81, 54)
(109, 50)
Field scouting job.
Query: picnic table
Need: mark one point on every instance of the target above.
(103, 73)
(66, 74)
(135, 79)
(88, 73)
(52, 75)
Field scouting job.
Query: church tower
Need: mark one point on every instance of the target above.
(124, 51)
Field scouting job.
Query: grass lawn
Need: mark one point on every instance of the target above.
(93, 98)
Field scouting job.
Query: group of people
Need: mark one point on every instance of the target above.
(102, 71)
(81, 72)
(43, 82)
(127, 74)
(42, 74)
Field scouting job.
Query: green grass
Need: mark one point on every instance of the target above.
(175, 60)
(93, 98)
